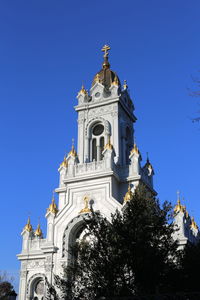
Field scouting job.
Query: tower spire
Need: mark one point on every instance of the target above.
(53, 207)
(28, 226)
(106, 64)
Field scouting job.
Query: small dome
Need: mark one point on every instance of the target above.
(106, 77)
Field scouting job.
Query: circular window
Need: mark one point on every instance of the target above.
(98, 129)
(97, 95)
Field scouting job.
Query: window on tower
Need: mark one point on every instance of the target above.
(94, 149)
(97, 142)
(101, 146)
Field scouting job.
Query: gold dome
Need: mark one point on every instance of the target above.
(64, 163)
(72, 152)
(135, 149)
(28, 227)
(53, 207)
(83, 90)
(129, 194)
(108, 146)
(193, 224)
(38, 231)
(106, 76)
(178, 206)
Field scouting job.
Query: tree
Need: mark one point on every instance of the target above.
(133, 254)
(6, 288)
(190, 266)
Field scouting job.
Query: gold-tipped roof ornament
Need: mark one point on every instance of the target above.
(193, 224)
(148, 164)
(53, 207)
(125, 86)
(108, 146)
(38, 231)
(129, 194)
(64, 163)
(178, 206)
(116, 81)
(72, 152)
(86, 209)
(97, 78)
(135, 149)
(28, 227)
(83, 90)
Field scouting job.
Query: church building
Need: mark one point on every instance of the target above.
(102, 174)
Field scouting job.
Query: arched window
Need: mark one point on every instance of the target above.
(38, 289)
(101, 146)
(94, 149)
(97, 142)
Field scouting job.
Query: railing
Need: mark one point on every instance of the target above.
(90, 167)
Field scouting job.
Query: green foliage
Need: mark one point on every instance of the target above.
(190, 266)
(131, 254)
(6, 290)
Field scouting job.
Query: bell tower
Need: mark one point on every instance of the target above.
(105, 113)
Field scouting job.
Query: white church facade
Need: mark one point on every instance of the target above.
(102, 174)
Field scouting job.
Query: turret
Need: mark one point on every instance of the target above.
(108, 154)
(27, 234)
(52, 211)
(135, 158)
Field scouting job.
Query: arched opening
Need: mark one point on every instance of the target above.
(94, 149)
(97, 142)
(102, 143)
(38, 289)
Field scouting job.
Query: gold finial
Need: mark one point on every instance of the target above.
(193, 224)
(28, 227)
(38, 231)
(148, 165)
(178, 206)
(125, 86)
(53, 207)
(83, 90)
(116, 81)
(86, 209)
(72, 152)
(105, 49)
(64, 163)
(108, 146)
(97, 78)
(129, 194)
(135, 149)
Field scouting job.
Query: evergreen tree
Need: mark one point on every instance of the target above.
(131, 254)
(190, 266)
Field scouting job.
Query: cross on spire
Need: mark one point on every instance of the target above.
(105, 49)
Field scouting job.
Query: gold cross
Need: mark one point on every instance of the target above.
(105, 49)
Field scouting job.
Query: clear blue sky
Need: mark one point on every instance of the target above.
(47, 49)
